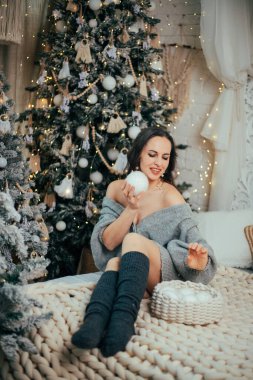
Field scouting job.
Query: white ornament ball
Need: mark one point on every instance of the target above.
(109, 83)
(128, 81)
(82, 132)
(92, 99)
(112, 154)
(83, 162)
(60, 26)
(58, 100)
(95, 4)
(61, 225)
(3, 162)
(133, 132)
(156, 64)
(134, 28)
(96, 177)
(186, 194)
(138, 180)
(93, 23)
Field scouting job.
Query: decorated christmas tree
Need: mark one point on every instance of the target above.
(98, 87)
(23, 236)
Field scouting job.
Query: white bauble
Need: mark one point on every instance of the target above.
(112, 154)
(83, 162)
(96, 177)
(134, 28)
(60, 26)
(95, 4)
(92, 98)
(82, 132)
(133, 132)
(156, 64)
(186, 194)
(61, 225)
(93, 23)
(109, 83)
(3, 162)
(58, 100)
(128, 81)
(138, 180)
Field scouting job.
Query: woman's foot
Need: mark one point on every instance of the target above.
(197, 256)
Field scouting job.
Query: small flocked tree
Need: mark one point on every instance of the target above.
(23, 236)
(97, 88)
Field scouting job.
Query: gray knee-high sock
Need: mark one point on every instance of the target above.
(97, 312)
(132, 281)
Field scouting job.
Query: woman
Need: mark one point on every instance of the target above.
(140, 241)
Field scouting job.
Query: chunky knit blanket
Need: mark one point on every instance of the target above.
(159, 350)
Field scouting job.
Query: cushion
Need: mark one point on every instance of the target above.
(224, 231)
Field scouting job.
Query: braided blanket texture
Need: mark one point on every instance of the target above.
(160, 350)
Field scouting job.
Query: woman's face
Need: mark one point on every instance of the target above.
(155, 156)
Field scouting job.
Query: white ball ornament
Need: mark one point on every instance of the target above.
(138, 180)
(186, 194)
(93, 23)
(82, 132)
(128, 81)
(92, 99)
(60, 26)
(96, 177)
(83, 162)
(58, 100)
(61, 225)
(109, 83)
(3, 162)
(95, 4)
(112, 154)
(133, 132)
(156, 64)
(134, 28)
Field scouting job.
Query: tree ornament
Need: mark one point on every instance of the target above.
(83, 52)
(86, 144)
(44, 235)
(133, 132)
(155, 95)
(93, 23)
(134, 28)
(43, 73)
(60, 26)
(109, 83)
(58, 100)
(138, 180)
(64, 72)
(129, 81)
(96, 177)
(83, 79)
(82, 132)
(113, 154)
(3, 97)
(143, 86)
(121, 162)
(92, 99)
(83, 162)
(5, 125)
(41, 103)
(3, 162)
(94, 4)
(156, 64)
(34, 162)
(116, 124)
(60, 226)
(67, 145)
(65, 188)
(71, 6)
(124, 37)
(50, 199)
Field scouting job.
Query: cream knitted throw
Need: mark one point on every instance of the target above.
(158, 351)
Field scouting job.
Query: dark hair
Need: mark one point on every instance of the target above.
(141, 140)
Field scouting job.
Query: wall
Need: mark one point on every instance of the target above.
(180, 25)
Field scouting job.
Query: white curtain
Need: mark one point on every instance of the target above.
(227, 41)
(20, 22)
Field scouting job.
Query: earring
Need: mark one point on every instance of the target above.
(162, 175)
(137, 168)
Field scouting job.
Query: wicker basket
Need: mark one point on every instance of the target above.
(186, 302)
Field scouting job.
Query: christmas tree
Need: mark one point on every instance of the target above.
(97, 88)
(23, 236)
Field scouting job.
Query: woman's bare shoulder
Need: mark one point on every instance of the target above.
(172, 196)
(114, 189)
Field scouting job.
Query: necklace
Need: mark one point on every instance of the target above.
(158, 186)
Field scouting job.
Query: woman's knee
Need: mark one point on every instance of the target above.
(113, 264)
(133, 242)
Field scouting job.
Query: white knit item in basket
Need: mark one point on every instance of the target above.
(186, 302)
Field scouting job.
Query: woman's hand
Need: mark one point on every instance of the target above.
(132, 200)
(197, 256)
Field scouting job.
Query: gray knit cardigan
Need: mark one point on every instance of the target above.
(171, 228)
